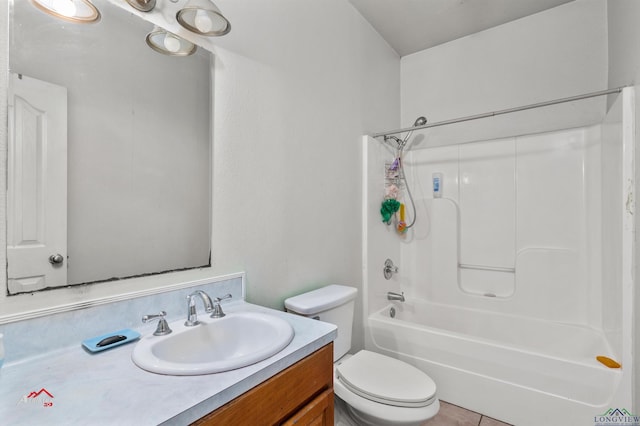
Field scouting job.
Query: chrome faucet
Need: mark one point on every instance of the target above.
(395, 296)
(192, 316)
(217, 309)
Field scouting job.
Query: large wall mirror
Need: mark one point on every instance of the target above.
(109, 152)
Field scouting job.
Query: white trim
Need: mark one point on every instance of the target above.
(365, 232)
(628, 242)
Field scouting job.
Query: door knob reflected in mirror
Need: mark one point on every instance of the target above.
(56, 259)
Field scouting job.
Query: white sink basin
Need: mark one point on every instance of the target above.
(216, 345)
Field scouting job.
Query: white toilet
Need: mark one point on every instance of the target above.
(377, 389)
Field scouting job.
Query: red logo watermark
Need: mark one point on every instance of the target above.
(42, 396)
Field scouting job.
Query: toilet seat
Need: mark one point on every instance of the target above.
(386, 380)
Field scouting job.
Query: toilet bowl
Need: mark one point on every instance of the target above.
(377, 389)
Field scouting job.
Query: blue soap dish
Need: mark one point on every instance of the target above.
(110, 340)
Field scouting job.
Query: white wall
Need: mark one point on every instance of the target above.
(624, 42)
(553, 54)
(297, 82)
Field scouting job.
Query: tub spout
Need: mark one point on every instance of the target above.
(395, 296)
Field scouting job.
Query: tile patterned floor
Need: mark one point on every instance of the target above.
(452, 415)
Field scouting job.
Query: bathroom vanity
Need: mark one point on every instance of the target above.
(48, 378)
(300, 395)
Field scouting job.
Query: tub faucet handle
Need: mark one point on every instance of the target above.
(163, 327)
(389, 269)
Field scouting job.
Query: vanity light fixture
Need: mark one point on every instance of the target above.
(167, 43)
(79, 11)
(203, 18)
(142, 5)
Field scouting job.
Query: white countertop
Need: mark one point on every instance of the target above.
(107, 388)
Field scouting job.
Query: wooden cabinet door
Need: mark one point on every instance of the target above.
(284, 396)
(318, 412)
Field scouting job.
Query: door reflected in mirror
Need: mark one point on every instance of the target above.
(109, 152)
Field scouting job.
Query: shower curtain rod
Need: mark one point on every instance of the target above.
(500, 112)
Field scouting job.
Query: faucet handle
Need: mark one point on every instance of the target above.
(163, 327)
(389, 269)
(217, 309)
(219, 299)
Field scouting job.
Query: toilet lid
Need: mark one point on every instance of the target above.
(386, 380)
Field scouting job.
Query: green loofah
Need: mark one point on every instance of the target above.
(389, 207)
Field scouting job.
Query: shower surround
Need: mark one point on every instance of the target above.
(520, 275)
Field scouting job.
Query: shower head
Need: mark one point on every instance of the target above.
(420, 121)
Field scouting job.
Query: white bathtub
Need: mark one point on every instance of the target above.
(519, 370)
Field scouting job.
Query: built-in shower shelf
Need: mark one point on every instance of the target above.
(487, 268)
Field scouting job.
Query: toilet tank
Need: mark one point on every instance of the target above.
(333, 304)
